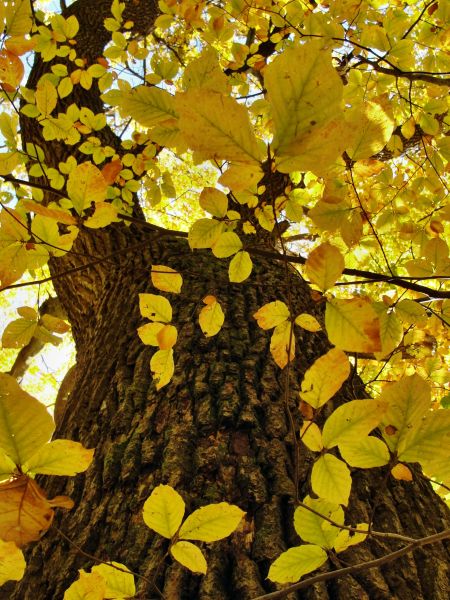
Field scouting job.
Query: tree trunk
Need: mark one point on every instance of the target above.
(218, 432)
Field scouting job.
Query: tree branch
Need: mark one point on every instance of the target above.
(365, 566)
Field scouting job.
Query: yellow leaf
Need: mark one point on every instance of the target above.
(353, 324)
(391, 330)
(205, 72)
(240, 177)
(240, 267)
(353, 420)
(167, 337)
(401, 472)
(155, 308)
(305, 92)
(211, 317)
(346, 538)
(85, 185)
(227, 245)
(164, 510)
(290, 566)
(272, 314)
(7, 467)
(104, 214)
(118, 583)
(55, 324)
(211, 523)
(148, 105)
(214, 202)
(408, 400)
(204, 233)
(18, 333)
(60, 457)
(372, 128)
(162, 367)
(311, 436)
(25, 424)
(217, 126)
(324, 378)
(331, 480)
(324, 266)
(18, 17)
(12, 562)
(308, 322)
(282, 337)
(149, 332)
(166, 279)
(8, 162)
(46, 97)
(365, 453)
(189, 556)
(90, 586)
(314, 529)
(429, 442)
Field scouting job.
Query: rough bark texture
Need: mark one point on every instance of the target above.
(218, 431)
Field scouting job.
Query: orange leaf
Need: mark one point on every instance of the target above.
(58, 214)
(25, 512)
(111, 170)
(11, 71)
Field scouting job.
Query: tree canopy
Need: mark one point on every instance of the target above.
(315, 135)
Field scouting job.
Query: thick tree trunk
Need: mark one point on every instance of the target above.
(218, 431)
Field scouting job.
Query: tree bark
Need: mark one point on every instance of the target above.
(218, 432)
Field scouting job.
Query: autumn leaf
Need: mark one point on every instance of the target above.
(166, 279)
(353, 324)
(211, 317)
(164, 510)
(324, 266)
(325, 377)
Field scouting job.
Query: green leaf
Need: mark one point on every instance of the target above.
(331, 480)
(189, 556)
(353, 324)
(25, 424)
(118, 583)
(164, 510)
(217, 126)
(314, 529)
(156, 308)
(325, 377)
(240, 267)
(60, 457)
(212, 522)
(227, 245)
(296, 562)
(353, 420)
(365, 453)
